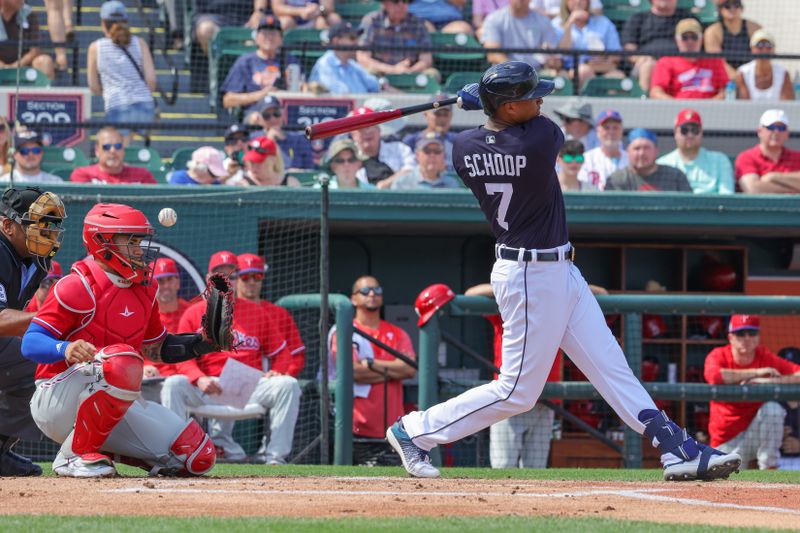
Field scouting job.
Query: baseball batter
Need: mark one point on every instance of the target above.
(509, 164)
(89, 338)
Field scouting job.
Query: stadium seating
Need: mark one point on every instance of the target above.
(564, 85)
(456, 81)
(226, 46)
(142, 156)
(613, 88)
(471, 57)
(307, 178)
(414, 83)
(28, 77)
(354, 10)
(58, 157)
(180, 157)
(300, 37)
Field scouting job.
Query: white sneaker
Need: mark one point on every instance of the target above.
(86, 465)
(415, 459)
(709, 464)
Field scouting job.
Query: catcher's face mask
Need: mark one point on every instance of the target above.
(135, 253)
(40, 214)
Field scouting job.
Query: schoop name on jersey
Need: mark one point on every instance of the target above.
(494, 164)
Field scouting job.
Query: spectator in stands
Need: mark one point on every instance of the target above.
(600, 162)
(754, 430)
(577, 122)
(429, 173)
(438, 123)
(762, 79)
(28, 155)
(264, 166)
(198, 380)
(5, 143)
(317, 14)
(769, 166)
(570, 161)
(236, 138)
(59, 24)
(707, 171)
(32, 56)
(215, 14)
(256, 74)
(206, 167)
(653, 32)
(394, 28)
(481, 9)
(731, 35)
(170, 308)
(688, 77)
(109, 149)
(446, 16)
(295, 148)
(516, 26)
(552, 8)
(343, 163)
(337, 70)
(383, 160)
(643, 173)
(120, 68)
(578, 28)
(378, 378)
(54, 273)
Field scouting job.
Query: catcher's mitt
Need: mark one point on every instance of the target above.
(218, 320)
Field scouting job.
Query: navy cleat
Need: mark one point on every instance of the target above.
(13, 464)
(415, 460)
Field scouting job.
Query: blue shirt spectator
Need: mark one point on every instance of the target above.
(337, 70)
(296, 150)
(437, 12)
(516, 26)
(599, 33)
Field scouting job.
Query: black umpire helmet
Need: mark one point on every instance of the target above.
(511, 81)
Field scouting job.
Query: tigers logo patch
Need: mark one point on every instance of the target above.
(3, 297)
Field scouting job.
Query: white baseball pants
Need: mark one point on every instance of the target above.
(544, 306)
(522, 441)
(762, 439)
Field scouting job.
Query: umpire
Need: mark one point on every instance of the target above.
(30, 235)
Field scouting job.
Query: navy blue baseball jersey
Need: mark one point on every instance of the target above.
(19, 278)
(512, 173)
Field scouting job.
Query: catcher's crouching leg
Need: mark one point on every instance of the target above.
(195, 449)
(121, 367)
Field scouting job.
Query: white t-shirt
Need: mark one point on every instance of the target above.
(531, 31)
(41, 177)
(597, 167)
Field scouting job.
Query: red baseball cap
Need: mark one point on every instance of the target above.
(221, 258)
(259, 149)
(250, 263)
(740, 322)
(687, 116)
(54, 272)
(164, 267)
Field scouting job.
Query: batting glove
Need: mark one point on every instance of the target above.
(468, 98)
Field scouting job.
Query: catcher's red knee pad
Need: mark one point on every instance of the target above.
(97, 416)
(122, 366)
(195, 449)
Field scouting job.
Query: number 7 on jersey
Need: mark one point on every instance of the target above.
(505, 190)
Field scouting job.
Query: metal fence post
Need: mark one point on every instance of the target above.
(428, 372)
(343, 424)
(633, 350)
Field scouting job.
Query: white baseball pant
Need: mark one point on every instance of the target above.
(762, 439)
(522, 441)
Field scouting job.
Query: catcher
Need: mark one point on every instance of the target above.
(90, 338)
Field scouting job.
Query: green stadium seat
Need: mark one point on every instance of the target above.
(470, 57)
(564, 85)
(28, 77)
(619, 11)
(149, 158)
(307, 178)
(62, 172)
(613, 88)
(227, 45)
(58, 156)
(300, 37)
(354, 10)
(414, 83)
(455, 82)
(180, 157)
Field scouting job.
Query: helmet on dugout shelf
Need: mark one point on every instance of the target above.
(102, 223)
(430, 300)
(511, 81)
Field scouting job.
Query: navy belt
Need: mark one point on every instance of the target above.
(512, 254)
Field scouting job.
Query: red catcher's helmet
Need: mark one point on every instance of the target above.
(719, 277)
(104, 221)
(653, 326)
(430, 300)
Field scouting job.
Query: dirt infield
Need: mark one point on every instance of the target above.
(727, 503)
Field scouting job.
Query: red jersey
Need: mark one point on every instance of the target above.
(255, 336)
(93, 174)
(170, 321)
(682, 78)
(497, 325)
(753, 161)
(291, 357)
(86, 304)
(368, 415)
(728, 419)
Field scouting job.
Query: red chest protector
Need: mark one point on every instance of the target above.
(120, 315)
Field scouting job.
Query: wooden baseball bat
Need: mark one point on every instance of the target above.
(329, 128)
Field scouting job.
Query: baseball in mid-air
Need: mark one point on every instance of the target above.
(167, 216)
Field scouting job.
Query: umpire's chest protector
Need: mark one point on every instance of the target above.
(120, 314)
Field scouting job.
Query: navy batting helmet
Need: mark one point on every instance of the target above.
(511, 81)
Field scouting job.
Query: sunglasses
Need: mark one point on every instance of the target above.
(256, 276)
(761, 45)
(364, 291)
(730, 5)
(687, 129)
(433, 151)
(274, 114)
(342, 160)
(108, 147)
(400, 1)
(689, 36)
(777, 127)
(746, 333)
(573, 158)
(35, 150)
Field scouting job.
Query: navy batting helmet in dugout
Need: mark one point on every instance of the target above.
(511, 82)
